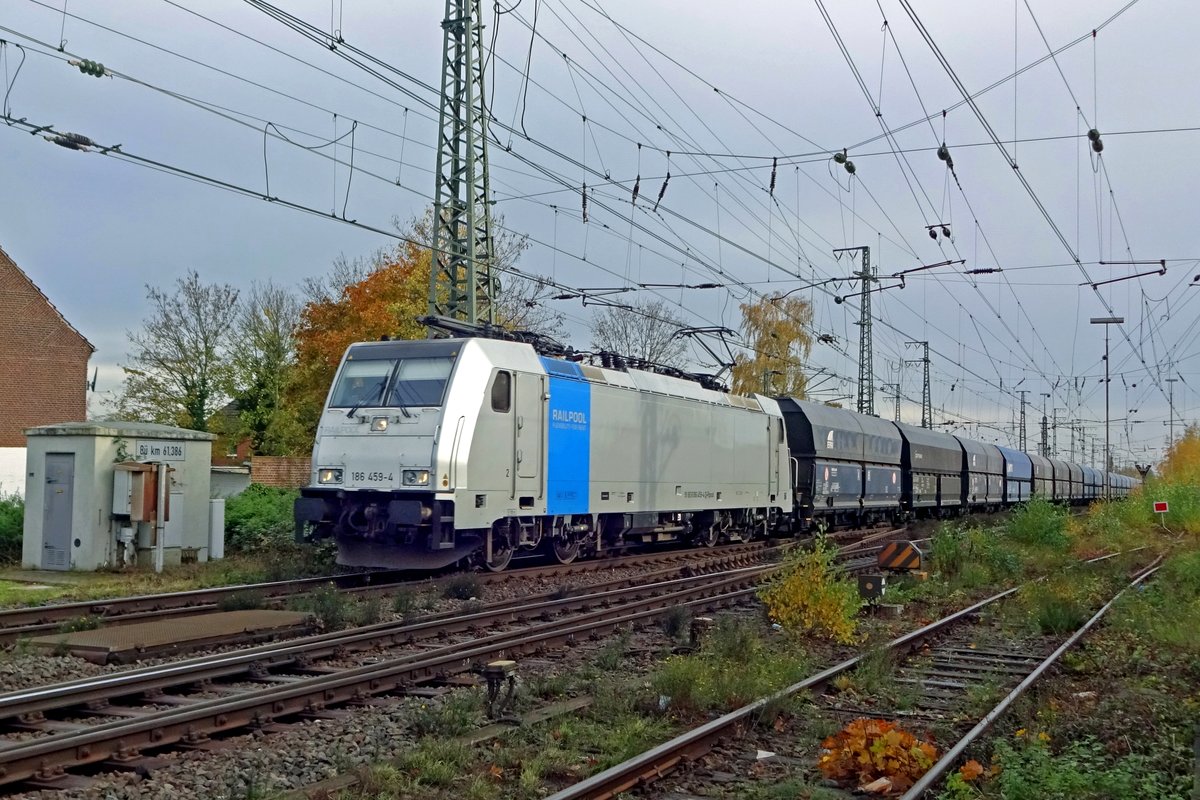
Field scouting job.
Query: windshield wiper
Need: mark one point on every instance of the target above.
(378, 388)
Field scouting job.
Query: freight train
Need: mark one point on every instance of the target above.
(479, 449)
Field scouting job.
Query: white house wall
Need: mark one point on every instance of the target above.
(12, 471)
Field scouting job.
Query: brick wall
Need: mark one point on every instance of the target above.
(285, 472)
(43, 360)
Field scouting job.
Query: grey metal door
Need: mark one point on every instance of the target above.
(774, 439)
(529, 417)
(173, 528)
(57, 510)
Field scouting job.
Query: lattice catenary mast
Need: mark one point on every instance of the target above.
(866, 373)
(1021, 444)
(926, 394)
(895, 389)
(461, 286)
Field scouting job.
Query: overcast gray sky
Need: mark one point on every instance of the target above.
(92, 230)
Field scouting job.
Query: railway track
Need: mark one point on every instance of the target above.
(957, 670)
(19, 623)
(1030, 675)
(114, 720)
(155, 707)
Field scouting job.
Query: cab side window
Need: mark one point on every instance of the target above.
(502, 392)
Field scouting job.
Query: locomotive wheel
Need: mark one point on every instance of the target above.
(564, 549)
(707, 537)
(502, 549)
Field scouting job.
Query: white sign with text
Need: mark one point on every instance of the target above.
(144, 450)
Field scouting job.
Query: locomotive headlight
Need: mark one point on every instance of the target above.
(329, 475)
(415, 477)
(379, 424)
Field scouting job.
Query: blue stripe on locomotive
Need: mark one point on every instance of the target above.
(568, 427)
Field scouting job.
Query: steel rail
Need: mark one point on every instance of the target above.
(951, 756)
(39, 700)
(663, 758)
(660, 760)
(20, 622)
(47, 757)
(26, 621)
(97, 689)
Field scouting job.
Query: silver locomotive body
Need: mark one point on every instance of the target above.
(429, 452)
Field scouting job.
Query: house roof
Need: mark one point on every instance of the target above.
(6, 260)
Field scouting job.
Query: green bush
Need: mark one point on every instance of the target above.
(1181, 576)
(1164, 610)
(1040, 522)
(1137, 510)
(12, 520)
(946, 550)
(259, 517)
(733, 667)
(242, 601)
(332, 609)
(1081, 770)
(463, 586)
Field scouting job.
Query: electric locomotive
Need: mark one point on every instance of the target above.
(437, 451)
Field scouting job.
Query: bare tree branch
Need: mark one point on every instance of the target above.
(646, 331)
(180, 369)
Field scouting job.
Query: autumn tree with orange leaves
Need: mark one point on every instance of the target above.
(1182, 464)
(367, 299)
(778, 331)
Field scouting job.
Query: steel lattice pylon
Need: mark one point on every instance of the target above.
(460, 281)
(866, 371)
(926, 397)
(866, 344)
(1021, 442)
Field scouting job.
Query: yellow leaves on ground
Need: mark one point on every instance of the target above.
(869, 749)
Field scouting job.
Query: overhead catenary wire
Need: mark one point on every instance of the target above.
(560, 154)
(678, 172)
(924, 32)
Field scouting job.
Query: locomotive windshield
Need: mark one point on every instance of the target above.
(392, 382)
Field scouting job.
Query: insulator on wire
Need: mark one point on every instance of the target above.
(637, 184)
(933, 234)
(774, 171)
(840, 158)
(945, 231)
(584, 193)
(71, 141)
(1097, 143)
(662, 191)
(849, 165)
(93, 68)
